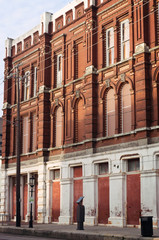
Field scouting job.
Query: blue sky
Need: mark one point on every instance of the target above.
(18, 17)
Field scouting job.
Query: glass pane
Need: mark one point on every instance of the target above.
(103, 168)
(56, 174)
(133, 165)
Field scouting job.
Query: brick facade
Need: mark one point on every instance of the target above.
(91, 96)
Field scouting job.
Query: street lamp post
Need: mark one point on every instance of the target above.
(31, 183)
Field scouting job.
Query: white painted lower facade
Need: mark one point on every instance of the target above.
(117, 159)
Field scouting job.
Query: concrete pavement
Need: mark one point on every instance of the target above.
(69, 232)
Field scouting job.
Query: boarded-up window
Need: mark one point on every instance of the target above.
(125, 109)
(125, 39)
(33, 132)
(110, 113)
(58, 127)
(79, 121)
(25, 135)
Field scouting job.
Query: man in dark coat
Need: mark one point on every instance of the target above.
(80, 214)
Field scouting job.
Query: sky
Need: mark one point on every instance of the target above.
(18, 17)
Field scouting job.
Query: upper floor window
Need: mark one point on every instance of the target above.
(109, 46)
(58, 127)
(157, 22)
(59, 71)
(125, 109)
(35, 82)
(27, 86)
(33, 133)
(79, 130)
(110, 113)
(125, 39)
(25, 137)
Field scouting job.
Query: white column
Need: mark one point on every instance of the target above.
(66, 201)
(41, 193)
(48, 197)
(28, 204)
(4, 192)
(89, 201)
(117, 200)
(149, 196)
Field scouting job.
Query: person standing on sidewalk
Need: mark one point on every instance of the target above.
(80, 214)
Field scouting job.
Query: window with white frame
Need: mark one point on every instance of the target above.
(133, 164)
(27, 86)
(125, 39)
(103, 168)
(56, 174)
(59, 70)
(109, 47)
(35, 81)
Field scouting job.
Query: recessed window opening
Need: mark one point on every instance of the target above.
(133, 164)
(103, 168)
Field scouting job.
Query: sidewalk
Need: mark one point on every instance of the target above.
(69, 232)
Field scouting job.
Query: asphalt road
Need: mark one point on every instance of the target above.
(4, 236)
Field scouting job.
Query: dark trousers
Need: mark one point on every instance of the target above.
(80, 226)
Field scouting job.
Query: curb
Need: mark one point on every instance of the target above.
(67, 235)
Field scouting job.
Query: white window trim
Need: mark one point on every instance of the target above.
(124, 41)
(59, 72)
(26, 85)
(111, 30)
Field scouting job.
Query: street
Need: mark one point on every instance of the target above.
(4, 236)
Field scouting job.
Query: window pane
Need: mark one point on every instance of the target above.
(56, 174)
(33, 132)
(125, 40)
(25, 135)
(126, 108)
(133, 165)
(110, 113)
(110, 46)
(103, 168)
(35, 81)
(58, 127)
(59, 70)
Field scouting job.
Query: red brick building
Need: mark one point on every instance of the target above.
(89, 107)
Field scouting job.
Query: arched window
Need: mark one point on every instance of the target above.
(110, 113)
(58, 127)
(125, 106)
(79, 121)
